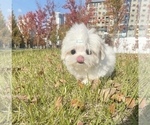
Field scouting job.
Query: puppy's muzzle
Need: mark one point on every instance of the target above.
(80, 59)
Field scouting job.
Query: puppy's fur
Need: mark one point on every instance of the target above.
(85, 54)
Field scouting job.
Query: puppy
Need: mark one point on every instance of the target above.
(85, 54)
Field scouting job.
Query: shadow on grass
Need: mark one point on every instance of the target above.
(105, 79)
(132, 119)
(138, 117)
(144, 117)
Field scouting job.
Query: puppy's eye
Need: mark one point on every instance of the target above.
(88, 52)
(73, 51)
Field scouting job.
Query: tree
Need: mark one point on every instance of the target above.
(35, 26)
(17, 38)
(5, 35)
(48, 20)
(27, 25)
(116, 11)
(78, 13)
(62, 31)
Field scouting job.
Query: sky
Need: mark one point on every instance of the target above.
(6, 7)
(21, 7)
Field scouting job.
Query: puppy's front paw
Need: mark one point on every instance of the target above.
(85, 81)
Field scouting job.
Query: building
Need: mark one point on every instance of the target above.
(59, 21)
(99, 19)
(139, 19)
(103, 21)
(135, 35)
(125, 22)
(133, 19)
(59, 18)
(144, 18)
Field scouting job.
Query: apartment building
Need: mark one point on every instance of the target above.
(139, 18)
(144, 18)
(59, 18)
(125, 21)
(133, 20)
(104, 22)
(99, 18)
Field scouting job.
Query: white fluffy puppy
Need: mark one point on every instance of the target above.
(85, 54)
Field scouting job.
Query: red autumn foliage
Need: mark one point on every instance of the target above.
(78, 13)
(39, 24)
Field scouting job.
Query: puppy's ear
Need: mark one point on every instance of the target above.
(102, 53)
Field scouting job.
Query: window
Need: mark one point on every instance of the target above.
(131, 27)
(125, 22)
(142, 15)
(134, 5)
(131, 20)
(141, 27)
(107, 18)
(96, 4)
(144, 10)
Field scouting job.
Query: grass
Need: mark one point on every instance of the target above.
(44, 93)
(5, 87)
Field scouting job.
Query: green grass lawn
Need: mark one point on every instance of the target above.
(44, 93)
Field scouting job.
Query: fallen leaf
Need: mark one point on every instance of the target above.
(50, 61)
(76, 104)
(142, 103)
(22, 97)
(124, 64)
(60, 67)
(57, 84)
(81, 85)
(62, 81)
(80, 123)
(40, 73)
(16, 69)
(107, 93)
(130, 102)
(19, 87)
(34, 99)
(95, 83)
(58, 102)
(112, 108)
(53, 54)
(25, 69)
(116, 85)
(118, 97)
(110, 81)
